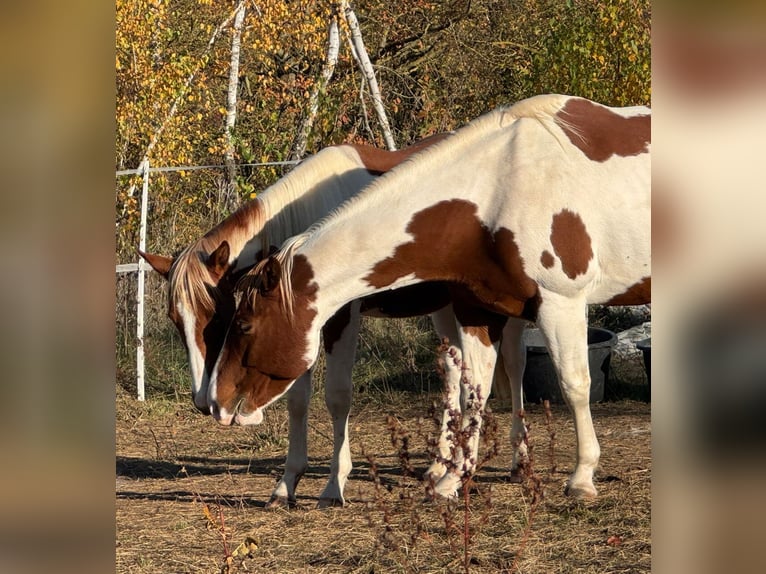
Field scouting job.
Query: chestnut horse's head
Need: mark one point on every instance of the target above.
(201, 305)
(267, 346)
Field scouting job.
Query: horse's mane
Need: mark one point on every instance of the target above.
(249, 284)
(190, 281)
(540, 108)
(285, 209)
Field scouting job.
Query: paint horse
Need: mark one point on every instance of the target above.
(537, 210)
(201, 298)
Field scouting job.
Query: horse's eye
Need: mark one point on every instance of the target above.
(244, 327)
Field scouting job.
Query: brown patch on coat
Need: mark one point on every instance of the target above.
(571, 243)
(378, 161)
(259, 390)
(265, 349)
(546, 259)
(333, 329)
(601, 133)
(451, 244)
(475, 320)
(286, 338)
(638, 294)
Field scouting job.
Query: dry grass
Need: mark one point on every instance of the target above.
(180, 476)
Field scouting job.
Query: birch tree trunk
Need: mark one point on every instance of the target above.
(333, 48)
(231, 107)
(369, 73)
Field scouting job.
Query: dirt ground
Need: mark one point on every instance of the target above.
(190, 493)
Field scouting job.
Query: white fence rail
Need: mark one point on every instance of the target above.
(140, 267)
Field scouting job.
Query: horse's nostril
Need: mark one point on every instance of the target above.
(215, 411)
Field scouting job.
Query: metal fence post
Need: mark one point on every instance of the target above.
(140, 289)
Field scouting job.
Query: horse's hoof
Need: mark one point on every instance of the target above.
(330, 503)
(516, 476)
(581, 492)
(280, 502)
(446, 489)
(433, 497)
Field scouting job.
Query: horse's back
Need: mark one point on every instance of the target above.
(578, 198)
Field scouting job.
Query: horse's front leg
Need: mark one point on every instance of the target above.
(446, 328)
(341, 334)
(563, 322)
(298, 398)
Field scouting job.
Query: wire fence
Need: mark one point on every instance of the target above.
(140, 266)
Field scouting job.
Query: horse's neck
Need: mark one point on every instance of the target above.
(241, 230)
(367, 230)
(292, 204)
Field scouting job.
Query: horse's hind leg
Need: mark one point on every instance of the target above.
(338, 391)
(514, 356)
(298, 398)
(563, 322)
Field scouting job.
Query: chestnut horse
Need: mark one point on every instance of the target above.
(201, 298)
(537, 209)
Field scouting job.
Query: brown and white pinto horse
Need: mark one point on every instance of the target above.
(537, 209)
(201, 299)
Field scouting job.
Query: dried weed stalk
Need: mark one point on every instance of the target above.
(232, 560)
(464, 427)
(533, 483)
(462, 517)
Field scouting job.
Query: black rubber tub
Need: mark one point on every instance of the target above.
(540, 380)
(645, 346)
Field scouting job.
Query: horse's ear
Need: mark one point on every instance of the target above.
(159, 263)
(270, 274)
(218, 260)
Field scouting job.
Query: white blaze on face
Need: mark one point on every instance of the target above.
(212, 388)
(196, 358)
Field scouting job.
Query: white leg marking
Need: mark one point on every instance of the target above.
(479, 362)
(445, 324)
(451, 359)
(196, 360)
(298, 398)
(338, 392)
(446, 328)
(563, 322)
